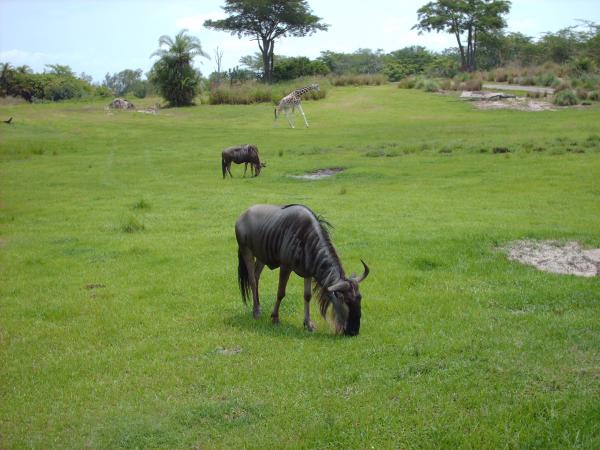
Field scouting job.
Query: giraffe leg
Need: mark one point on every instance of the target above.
(303, 116)
(288, 119)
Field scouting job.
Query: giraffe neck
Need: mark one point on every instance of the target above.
(300, 92)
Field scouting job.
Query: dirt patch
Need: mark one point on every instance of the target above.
(319, 174)
(519, 104)
(556, 257)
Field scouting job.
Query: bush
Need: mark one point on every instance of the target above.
(63, 88)
(582, 66)
(546, 79)
(565, 98)
(103, 91)
(431, 86)
(594, 95)
(358, 80)
(397, 71)
(256, 92)
(407, 83)
(442, 67)
(295, 67)
(240, 94)
(581, 94)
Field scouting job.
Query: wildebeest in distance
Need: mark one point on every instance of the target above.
(246, 154)
(294, 239)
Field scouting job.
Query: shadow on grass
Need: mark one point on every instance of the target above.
(264, 326)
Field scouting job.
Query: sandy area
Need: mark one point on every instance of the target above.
(552, 256)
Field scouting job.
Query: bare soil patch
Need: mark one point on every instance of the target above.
(519, 104)
(556, 257)
(319, 174)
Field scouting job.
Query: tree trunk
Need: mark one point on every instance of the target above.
(266, 50)
(463, 61)
(470, 48)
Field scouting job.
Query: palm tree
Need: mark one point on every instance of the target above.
(6, 71)
(173, 73)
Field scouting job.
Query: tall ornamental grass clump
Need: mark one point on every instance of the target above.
(240, 94)
(565, 98)
(358, 80)
(255, 92)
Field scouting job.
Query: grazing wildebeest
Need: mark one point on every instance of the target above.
(247, 154)
(294, 239)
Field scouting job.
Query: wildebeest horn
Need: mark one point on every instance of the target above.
(365, 273)
(338, 286)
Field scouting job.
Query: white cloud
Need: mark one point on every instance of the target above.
(36, 60)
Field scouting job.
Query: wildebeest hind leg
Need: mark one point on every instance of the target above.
(284, 276)
(307, 295)
(249, 261)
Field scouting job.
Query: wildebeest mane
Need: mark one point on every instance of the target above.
(323, 296)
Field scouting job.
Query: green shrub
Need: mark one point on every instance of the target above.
(63, 88)
(582, 66)
(581, 94)
(397, 71)
(594, 95)
(407, 83)
(103, 91)
(565, 98)
(431, 86)
(546, 79)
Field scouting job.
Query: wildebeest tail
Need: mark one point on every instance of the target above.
(243, 278)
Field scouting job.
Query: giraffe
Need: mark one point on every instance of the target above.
(292, 101)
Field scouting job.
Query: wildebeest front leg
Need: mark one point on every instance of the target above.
(246, 168)
(284, 276)
(307, 295)
(253, 279)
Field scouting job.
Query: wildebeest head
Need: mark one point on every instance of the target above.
(346, 301)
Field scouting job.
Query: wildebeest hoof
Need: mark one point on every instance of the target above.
(310, 326)
(275, 319)
(256, 313)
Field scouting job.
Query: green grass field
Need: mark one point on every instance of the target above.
(121, 323)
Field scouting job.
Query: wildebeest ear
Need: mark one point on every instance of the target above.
(340, 285)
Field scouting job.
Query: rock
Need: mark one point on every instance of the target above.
(121, 103)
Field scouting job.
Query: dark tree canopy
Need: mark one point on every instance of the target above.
(459, 17)
(267, 20)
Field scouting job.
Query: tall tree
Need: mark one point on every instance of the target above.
(173, 74)
(265, 21)
(472, 18)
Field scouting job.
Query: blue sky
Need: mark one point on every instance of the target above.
(99, 36)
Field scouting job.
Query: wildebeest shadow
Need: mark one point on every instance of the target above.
(264, 326)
